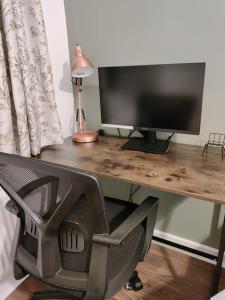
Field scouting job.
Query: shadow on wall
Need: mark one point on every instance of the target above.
(90, 102)
(65, 84)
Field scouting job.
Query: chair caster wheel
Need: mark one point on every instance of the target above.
(134, 283)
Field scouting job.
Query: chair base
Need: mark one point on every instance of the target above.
(54, 294)
(134, 283)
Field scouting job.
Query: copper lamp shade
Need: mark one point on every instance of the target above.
(81, 67)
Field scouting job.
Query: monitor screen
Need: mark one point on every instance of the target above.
(155, 97)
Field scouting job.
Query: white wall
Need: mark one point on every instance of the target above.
(54, 17)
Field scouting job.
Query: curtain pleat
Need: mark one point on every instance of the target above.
(7, 142)
(28, 113)
(29, 106)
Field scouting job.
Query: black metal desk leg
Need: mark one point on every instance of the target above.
(218, 267)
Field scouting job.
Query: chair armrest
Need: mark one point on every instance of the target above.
(117, 237)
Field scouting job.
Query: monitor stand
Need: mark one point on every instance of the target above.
(147, 143)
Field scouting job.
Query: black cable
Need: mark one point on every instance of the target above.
(131, 132)
(131, 188)
(130, 199)
(170, 137)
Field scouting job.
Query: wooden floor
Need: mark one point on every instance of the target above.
(167, 275)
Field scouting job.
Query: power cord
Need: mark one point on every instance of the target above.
(119, 132)
(169, 142)
(130, 133)
(170, 137)
(130, 199)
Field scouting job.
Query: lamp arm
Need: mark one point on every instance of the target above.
(80, 114)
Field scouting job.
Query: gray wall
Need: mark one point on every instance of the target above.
(149, 32)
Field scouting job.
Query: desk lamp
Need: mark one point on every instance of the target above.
(81, 67)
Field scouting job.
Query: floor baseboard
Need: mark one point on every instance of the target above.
(188, 243)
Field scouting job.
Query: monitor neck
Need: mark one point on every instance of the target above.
(149, 136)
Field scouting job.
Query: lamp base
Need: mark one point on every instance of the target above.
(85, 137)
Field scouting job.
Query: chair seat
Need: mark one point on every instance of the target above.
(122, 260)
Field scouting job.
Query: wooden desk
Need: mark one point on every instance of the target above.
(181, 171)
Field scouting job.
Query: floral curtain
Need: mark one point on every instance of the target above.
(28, 115)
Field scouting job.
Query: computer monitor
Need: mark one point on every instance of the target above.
(152, 98)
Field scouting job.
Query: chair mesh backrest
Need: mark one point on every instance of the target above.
(39, 199)
(86, 217)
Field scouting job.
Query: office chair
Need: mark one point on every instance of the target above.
(69, 235)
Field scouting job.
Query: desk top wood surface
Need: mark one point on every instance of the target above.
(181, 171)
